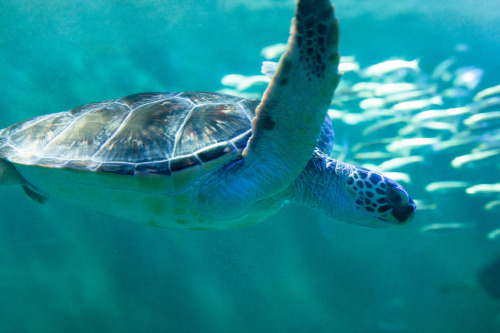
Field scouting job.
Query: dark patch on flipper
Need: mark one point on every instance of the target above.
(32, 193)
(268, 123)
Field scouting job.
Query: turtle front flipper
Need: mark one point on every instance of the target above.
(289, 119)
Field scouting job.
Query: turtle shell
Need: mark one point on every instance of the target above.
(147, 133)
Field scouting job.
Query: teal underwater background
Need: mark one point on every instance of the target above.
(67, 269)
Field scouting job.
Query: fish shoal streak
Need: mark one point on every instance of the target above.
(488, 92)
(446, 185)
(459, 161)
(484, 188)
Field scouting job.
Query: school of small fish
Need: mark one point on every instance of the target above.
(410, 119)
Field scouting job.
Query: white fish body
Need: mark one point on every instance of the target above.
(443, 228)
(383, 124)
(252, 81)
(481, 117)
(399, 162)
(487, 103)
(372, 103)
(372, 145)
(488, 92)
(390, 66)
(273, 51)
(336, 114)
(418, 104)
(459, 161)
(399, 176)
(354, 118)
(445, 186)
(394, 88)
(373, 155)
(408, 144)
(366, 86)
(492, 205)
(232, 80)
(492, 235)
(410, 95)
(456, 142)
(433, 125)
(442, 113)
(269, 68)
(484, 188)
(424, 205)
(442, 70)
(345, 67)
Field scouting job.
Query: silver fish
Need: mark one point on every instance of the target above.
(492, 204)
(232, 80)
(445, 186)
(482, 117)
(484, 188)
(390, 66)
(459, 161)
(444, 228)
(408, 144)
(488, 92)
(410, 95)
(399, 162)
(383, 124)
(441, 113)
(252, 82)
(394, 88)
(273, 51)
(442, 70)
(430, 125)
(492, 235)
(418, 104)
(457, 142)
(399, 176)
(373, 155)
(372, 103)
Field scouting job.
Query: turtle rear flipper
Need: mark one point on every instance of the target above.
(10, 176)
(32, 193)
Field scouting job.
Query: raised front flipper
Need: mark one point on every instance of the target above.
(287, 125)
(289, 119)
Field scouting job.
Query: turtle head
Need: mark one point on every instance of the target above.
(351, 194)
(378, 200)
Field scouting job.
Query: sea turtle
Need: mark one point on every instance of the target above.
(199, 160)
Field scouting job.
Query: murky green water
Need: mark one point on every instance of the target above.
(64, 268)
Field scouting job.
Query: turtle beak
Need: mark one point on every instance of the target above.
(401, 215)
(405, 214)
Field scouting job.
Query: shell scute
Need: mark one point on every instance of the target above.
(35, 135)
(210, 124)
(150, 133)
(147, 134)
(84, 136)
(135, 100)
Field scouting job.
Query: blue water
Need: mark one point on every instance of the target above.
(66, 269)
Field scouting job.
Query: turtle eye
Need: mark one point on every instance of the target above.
(395, 196)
